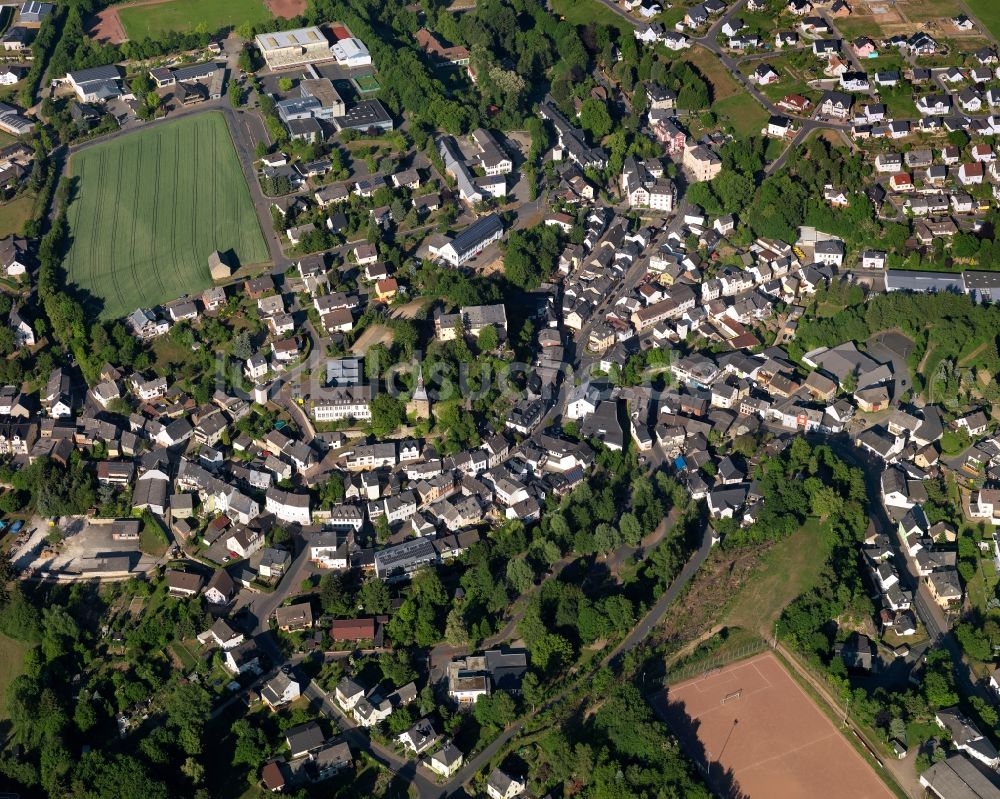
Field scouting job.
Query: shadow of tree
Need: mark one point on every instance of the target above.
(720, 779)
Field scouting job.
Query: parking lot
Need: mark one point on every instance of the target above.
(341, 77)
(84, 542)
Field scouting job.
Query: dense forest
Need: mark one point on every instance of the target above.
(803, 481)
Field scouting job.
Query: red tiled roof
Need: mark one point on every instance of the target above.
(272, 777)
(352, 629)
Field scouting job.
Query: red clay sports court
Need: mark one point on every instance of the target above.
(753, 720)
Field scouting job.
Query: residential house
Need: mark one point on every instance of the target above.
(280, 690)
(446, 761)
(220, 589)
(304, 738)
(500, 785)
(183, 584)
(291, 618)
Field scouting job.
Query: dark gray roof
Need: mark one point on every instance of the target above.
(448, 754)
(109, 72)
(959, 778)
(405, 555)
(474, 234)
(195, 71)
(838, 98)
(304, 737)
(912, 280)
(367, 114)
(304, 126)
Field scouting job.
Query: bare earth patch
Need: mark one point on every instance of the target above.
(492, 267)
(106, 27)
(409, 310)
(286, 9)
(376, 334)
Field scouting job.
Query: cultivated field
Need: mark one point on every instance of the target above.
(767, 739)
(156, 18)
(149, 209)
(883, 18)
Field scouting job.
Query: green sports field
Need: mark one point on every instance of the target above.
(151, 206)
(184, 16)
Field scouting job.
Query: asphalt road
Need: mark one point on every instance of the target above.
(359, 740)
(425, 786)
(264, 604)
(657, 612)
(631, 641)
(931, 614)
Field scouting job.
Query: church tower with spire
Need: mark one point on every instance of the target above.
(420, 404)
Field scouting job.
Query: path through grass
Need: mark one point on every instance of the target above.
(790, 568)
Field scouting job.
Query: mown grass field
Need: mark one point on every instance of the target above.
(925, 10)
(152, 540)
(743, 112)
(588, 12)
(15, 213)
(731, 103)
(149, 209)
(714, 71)
(11, 665)
(790, 568)
(184, 16)
(988, 12)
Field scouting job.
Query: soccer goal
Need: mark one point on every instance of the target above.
(732, 696)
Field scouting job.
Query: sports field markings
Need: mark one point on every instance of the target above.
(775, 739)
(98, 206)
(808, 745)
(174, 183)
(215, 190)
(194, 202)
(762, 676)
(745, 693)
(144, 260)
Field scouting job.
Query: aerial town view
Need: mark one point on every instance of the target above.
(498, 399)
